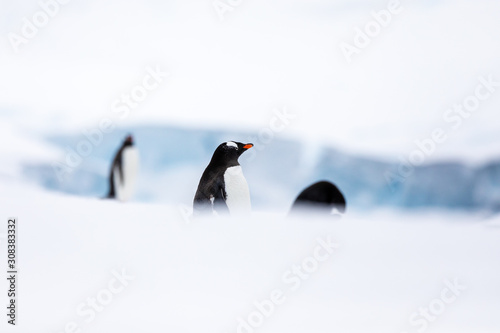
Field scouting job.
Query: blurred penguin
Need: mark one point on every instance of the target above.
(123, 174)
(322, 197)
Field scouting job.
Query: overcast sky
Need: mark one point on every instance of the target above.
(262, 55)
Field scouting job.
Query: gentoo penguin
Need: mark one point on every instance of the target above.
(123, 171)
(222, 187)
(322, 196)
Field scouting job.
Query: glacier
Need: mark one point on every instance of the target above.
(173, 159)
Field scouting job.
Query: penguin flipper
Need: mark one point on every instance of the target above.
(111, 192)
(219, 202)
(116, 166)
(120, 167)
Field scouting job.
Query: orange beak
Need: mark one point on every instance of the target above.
(248, 146)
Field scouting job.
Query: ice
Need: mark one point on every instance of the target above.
(173, 159)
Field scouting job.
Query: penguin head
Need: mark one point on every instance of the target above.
(227, 153)
(129, 140)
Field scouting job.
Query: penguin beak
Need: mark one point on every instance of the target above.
(248, 146)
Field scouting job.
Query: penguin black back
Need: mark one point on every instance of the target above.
(118, 163)
(320, 196)
(212, 194)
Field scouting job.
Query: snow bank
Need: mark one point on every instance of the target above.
(112, 267)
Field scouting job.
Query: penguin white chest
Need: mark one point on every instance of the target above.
(237, 193)
(125, 185)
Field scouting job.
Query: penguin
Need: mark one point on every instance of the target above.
(123, 173)
(322, 196)
(223, 188)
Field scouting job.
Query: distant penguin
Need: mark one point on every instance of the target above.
(124, 171)
(322, 196)
(222, 187)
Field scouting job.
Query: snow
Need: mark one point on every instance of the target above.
(202, 275)
(192, 275)
(428, 242)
